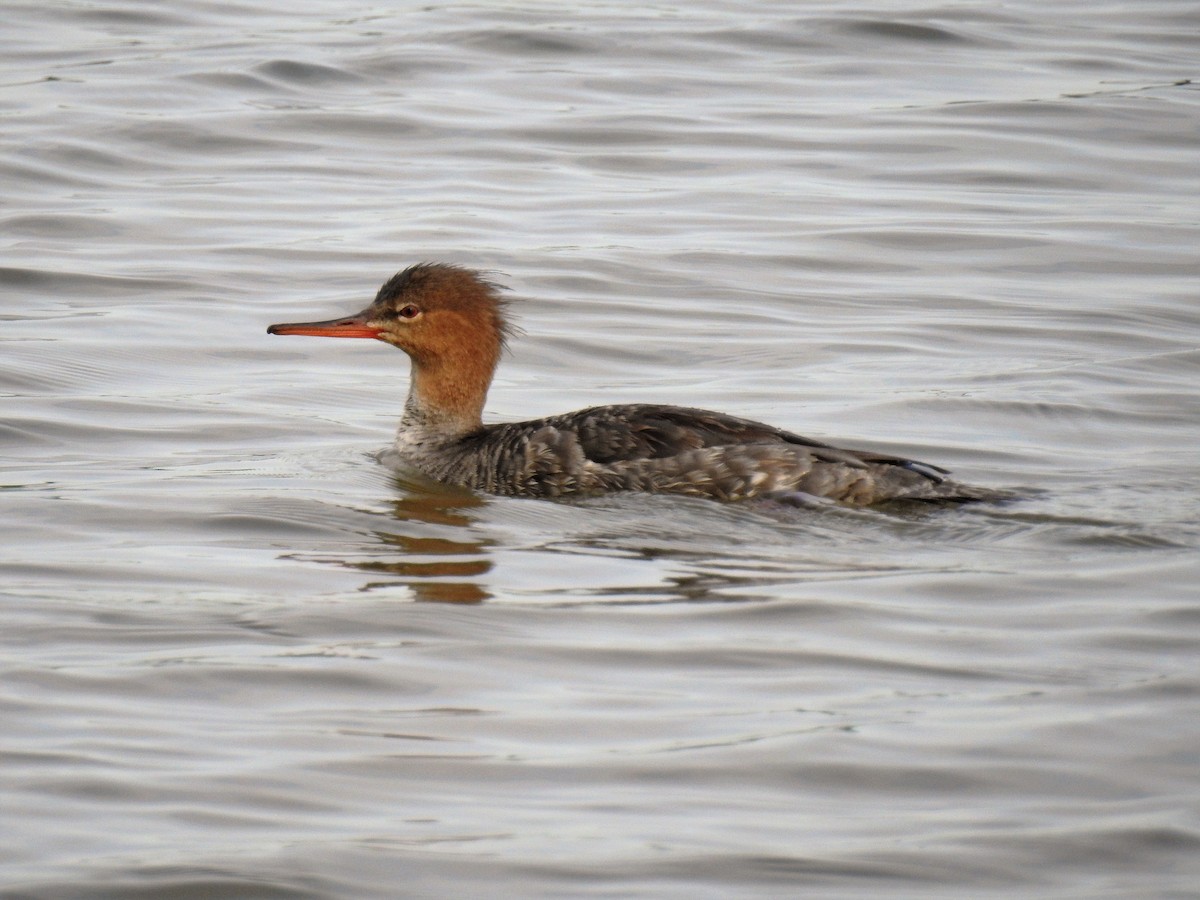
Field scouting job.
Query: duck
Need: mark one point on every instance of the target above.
(454, 324)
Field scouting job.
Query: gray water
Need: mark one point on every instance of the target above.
(241, 658)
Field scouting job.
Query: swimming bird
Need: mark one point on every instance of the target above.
(454, 324)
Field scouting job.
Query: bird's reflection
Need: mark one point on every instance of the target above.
(433, 552)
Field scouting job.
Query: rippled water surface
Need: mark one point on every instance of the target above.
(242, 658)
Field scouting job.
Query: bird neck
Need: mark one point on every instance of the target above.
(447, 395)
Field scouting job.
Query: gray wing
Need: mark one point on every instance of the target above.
(671, 449)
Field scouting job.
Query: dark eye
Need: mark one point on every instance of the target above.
(409, 312)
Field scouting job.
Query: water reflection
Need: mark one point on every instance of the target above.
(428, 558)
(425, 500)
(438, 591)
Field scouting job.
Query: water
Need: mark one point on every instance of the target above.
(243, 659)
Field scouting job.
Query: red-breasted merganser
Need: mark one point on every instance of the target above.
(452, 324)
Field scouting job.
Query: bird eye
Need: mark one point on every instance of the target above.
(409, 312)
